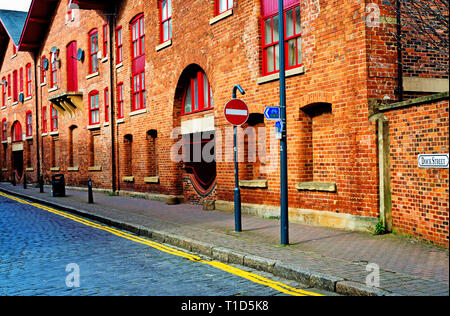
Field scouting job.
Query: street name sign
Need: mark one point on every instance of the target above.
(433, 161)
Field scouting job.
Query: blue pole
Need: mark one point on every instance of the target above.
(237, 191)
(283, 142)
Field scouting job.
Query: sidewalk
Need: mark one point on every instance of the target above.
(330, 259)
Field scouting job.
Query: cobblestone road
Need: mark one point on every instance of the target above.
(37, 246)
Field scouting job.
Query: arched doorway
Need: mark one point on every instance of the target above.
(17, 150)
(194, 115)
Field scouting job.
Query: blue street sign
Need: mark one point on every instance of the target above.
(272, 113)
(279, 126)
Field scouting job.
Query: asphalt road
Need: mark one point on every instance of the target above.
(47, 252)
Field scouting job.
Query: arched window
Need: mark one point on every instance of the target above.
(17, 132)
(198, 94)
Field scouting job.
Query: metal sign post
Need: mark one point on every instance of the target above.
(283, 141)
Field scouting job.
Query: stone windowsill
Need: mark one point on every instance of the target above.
(94, 126)
(27, 98)
(28, 137)
(316, 186)
(4, 169)
(3, 107)
(43, 84)
(120, 121)
(221, 16)
(44, 134)
(92, 75)
(15, 103)
(52, 89)
(154, 179)
(73, 168)
(137, 112)
(4, 142)
(288, 73)
(55, 133)
(95, 168)
(119, 65)
(104, 59)
(262, 184)
(164, 45)
(106, 124)
(54, 169)
(29, 169)
(128, 179)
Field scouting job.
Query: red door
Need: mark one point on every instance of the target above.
(72, 77)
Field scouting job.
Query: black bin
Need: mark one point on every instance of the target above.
(58, 185)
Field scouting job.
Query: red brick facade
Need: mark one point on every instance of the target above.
(346, 62)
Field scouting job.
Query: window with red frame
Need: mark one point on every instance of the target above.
(93, 51)
(21, 79)
(28, 80)
(105, 40)
(44, 119)
(119, 44)
(94, 108)
(43, 71)
(138, 35)
(53, 119)
(15, 88)
(29, 124)
(106, 95)
(17, 132)
(270, 35)
(138, 97)
(120, 113)
(223, 5)
(3, 92)
(14, 49)
(165, 9)
(9, 86)
(53, 70)
(4, 130)
(198, 94)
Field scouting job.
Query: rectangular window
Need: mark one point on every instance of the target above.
(138, 35)
(29, 124)
(105, 40)
(93, 51)
(223, 5)
(15, 88)
(120, 113)
(166, 20)
(4, 130)
(21, 80)
(9, 86)
(43, 71)
(119, 44)
(270, 35)
(3, 92)
(138, 83)
(53, 70)
(28, 80)
(44, 119)
(54, 119)
(94, 108)
(106, 105)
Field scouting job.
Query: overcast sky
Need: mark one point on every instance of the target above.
(17, 5)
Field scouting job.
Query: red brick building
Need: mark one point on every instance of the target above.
(129, 92)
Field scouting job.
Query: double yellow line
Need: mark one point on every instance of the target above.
(216, 264)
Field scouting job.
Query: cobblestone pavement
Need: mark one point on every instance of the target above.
(406, 267)
(37, 247)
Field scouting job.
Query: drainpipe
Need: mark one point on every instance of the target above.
(38, 162)
(399, 51)
(112, 23)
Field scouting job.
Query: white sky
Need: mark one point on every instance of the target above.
(17, 5)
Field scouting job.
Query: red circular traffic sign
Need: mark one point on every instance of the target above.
(236, 112)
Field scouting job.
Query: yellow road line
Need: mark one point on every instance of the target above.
(216, 264)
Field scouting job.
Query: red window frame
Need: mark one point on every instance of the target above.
(3, 92)
(43, 71)
(29, 124)
(14, 49)
(93, 51)
(4, 130)
(120, 108)
(165, 18)
(44, 119)
(271, 43)
(106, 95)
(228, 6)
(198, 102)
(15, 87)
(105, 40)
(53, 71)
(53, 119)
(138, 91)
(9, 85)
(21, 79)
(119, 44)
(138, 36)
(28, 80)
(17, 132)
(94, 108)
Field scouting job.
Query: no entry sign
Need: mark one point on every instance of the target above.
(236, 112)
